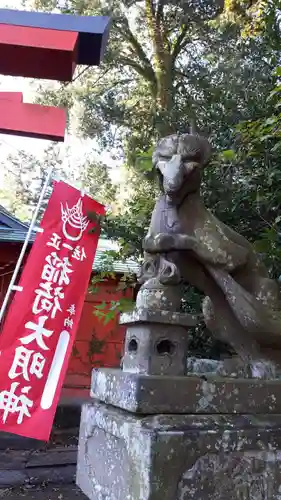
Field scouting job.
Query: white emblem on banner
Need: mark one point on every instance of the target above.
(73, 219)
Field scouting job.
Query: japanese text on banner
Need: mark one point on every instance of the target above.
(42, 345)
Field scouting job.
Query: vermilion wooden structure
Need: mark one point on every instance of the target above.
(97, 343)
(39, 53)
(11, 96)
(30, 120)
(49, 46)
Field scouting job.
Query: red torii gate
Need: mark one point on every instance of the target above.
(30, 120)
(44, 46)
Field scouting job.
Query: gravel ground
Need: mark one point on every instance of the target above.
(69, 492)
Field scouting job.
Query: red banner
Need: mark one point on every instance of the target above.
(41, 324)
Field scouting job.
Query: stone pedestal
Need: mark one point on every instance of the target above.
(154, 433)
(180, 438)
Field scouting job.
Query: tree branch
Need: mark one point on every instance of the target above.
(159, 12)
(143, 71)
(179, 44)
(183, 73)
(132, 40)
(152, 5)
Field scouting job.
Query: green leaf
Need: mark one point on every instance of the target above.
(101, 306)
(277, 71)
(228, 154)
(264, 138)
(275, 91)
(261, 246)
(270, 121)
(276, 147)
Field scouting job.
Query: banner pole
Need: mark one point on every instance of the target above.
(24, 247)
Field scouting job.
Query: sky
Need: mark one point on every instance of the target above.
(11, 144)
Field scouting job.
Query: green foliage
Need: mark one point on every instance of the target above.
(110, 310)
(107, 312)
(132, 221)
(261, 144)
(254, 17)
(96, 177)
(150, 80)
(200, 341)
(95, 353)
(24, 179)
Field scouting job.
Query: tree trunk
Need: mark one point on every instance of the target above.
(163, 67)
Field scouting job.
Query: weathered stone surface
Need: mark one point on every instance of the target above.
(233, 368)
(178, 457)
(157, 336)
(252, 475)
(197, 366)
(187, 244)
(155, 349)
(158, 394)
(163, 316)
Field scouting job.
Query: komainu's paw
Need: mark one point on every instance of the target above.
(162, 242)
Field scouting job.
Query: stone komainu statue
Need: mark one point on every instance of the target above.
(187, 243)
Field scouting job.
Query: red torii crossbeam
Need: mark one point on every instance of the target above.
(49, 46)
(30, 120)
